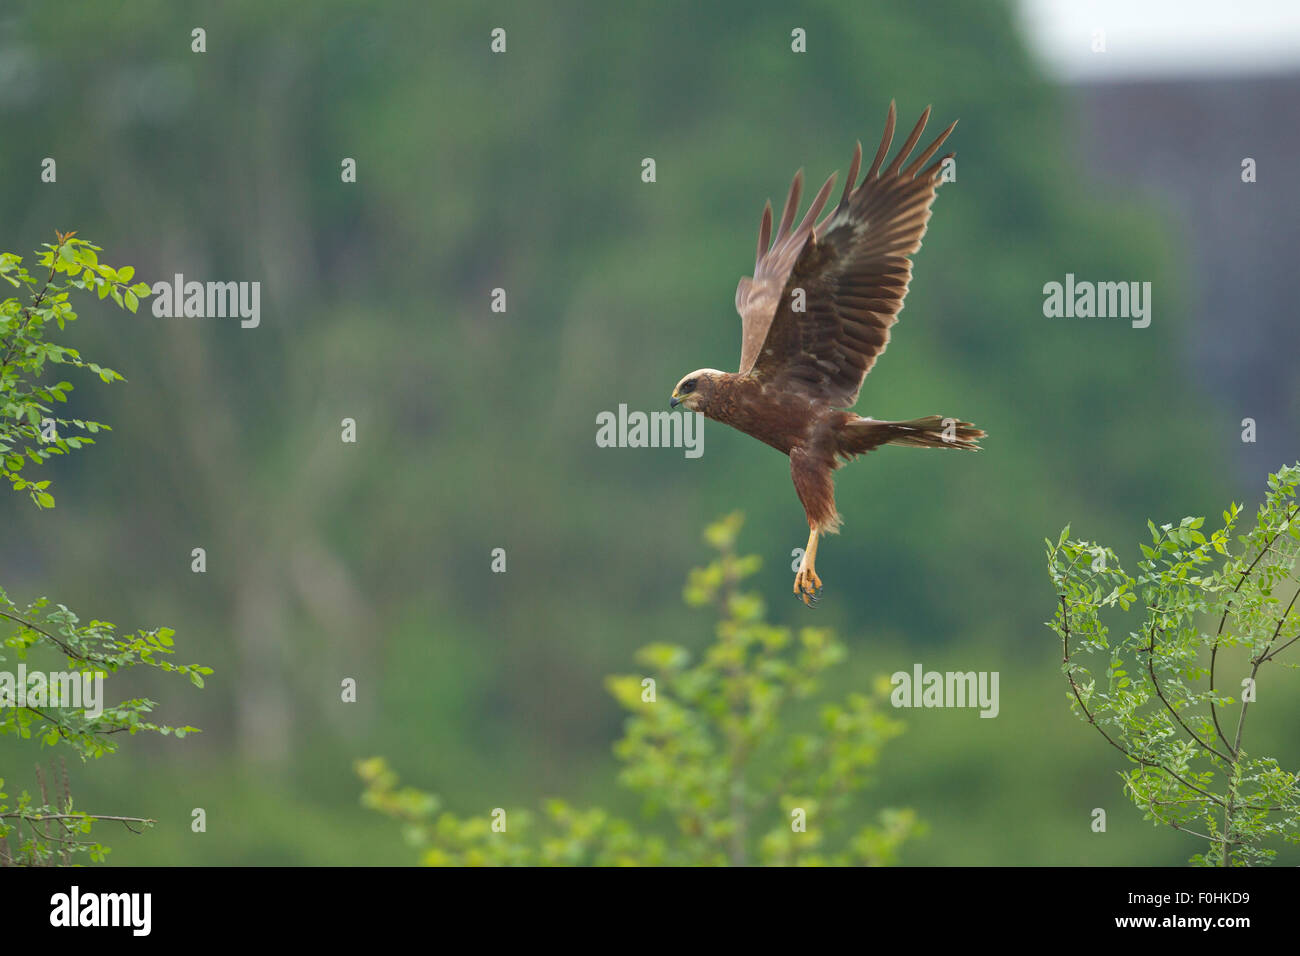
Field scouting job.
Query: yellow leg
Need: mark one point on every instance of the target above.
(806, 582)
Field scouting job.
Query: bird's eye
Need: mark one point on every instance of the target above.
(688, 386)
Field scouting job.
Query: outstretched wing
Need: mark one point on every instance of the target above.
(757, 297)
(849, 273)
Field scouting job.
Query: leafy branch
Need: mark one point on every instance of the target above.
(49, 831)
(1190, 775)
(30, 432)
(94, 648)
(53, 827)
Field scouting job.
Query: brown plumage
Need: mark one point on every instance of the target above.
(815, 316)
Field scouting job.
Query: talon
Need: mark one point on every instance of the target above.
(807, 587)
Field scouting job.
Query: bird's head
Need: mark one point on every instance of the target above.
(696, 390)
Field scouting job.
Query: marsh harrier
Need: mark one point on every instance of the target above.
(815, 316)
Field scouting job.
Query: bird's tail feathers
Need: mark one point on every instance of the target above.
(933, 431)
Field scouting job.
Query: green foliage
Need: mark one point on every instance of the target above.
(93, 648)
(1157, 691)
(48, 830)
(705, 747)
(29, 429)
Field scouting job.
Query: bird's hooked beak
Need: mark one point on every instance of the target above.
(674, 401)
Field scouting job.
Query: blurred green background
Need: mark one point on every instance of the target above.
(476, 429)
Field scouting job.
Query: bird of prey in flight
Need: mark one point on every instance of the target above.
(815, 316)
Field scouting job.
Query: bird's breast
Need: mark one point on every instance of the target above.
(774, 418)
